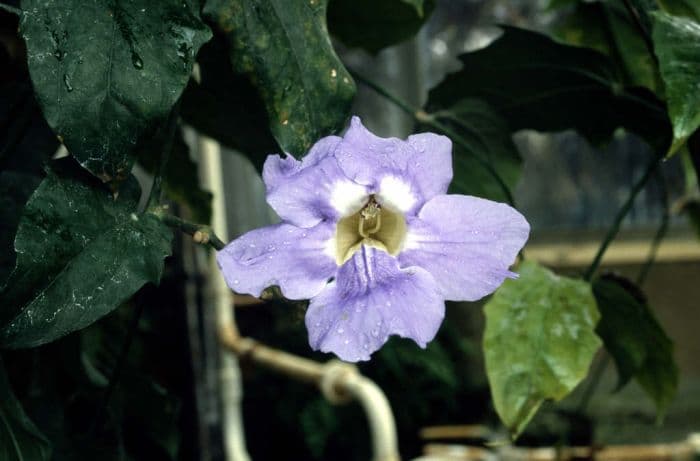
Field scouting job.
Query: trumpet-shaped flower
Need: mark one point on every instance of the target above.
(370, 236)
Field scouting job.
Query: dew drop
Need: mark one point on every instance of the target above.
(375, 332)
(66, 82)
(59, 54)
(347, 341)
(136, 60)
(340, 330)
(235, 282)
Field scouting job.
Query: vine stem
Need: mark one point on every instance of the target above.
(427, 119)
(200, 233)
(604, 361)
(154, 197)
(634, 14)
(621, 214)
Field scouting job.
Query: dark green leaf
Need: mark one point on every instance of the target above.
(283, 46)
(106, 72)
(536, 83)
(26, 142)
(635, 339)
(687, 8)
(376, 24)
(677, 45)
(608, 28)
(226, 106)
(80, 253)
(539, 341)
(20, 440)
(181, 177)
(487, 136)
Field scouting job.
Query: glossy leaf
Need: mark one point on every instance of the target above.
(677, 45)
(687, 8)
(283, 46)
(376, 24)
(487, 136)
(105, 73)
(20, 440)
(536, 83)
(635, 339)
(608, 28)
(539, 341)
(226, 107)
(80, 253)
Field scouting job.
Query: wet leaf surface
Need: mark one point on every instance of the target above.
(284, 48)
(539, 341)
(677, 45)
(80, 253)
(105, 82)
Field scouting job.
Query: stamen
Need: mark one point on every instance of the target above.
(371, 211)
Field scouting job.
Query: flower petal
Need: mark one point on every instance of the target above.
(296, 259)
(370, 299)
(466, 243)
(307, 192)
(404, 174)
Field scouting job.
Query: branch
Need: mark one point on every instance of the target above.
(660, 233)
(200, 233)
(621, 214)
(422, 117)
(11, 9)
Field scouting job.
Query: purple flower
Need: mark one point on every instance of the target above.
(369, 235)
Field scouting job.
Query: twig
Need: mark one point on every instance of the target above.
(660, 233)
(621, 214)
(422, 117)
(200, 233)
(11, 9)
(154, 196)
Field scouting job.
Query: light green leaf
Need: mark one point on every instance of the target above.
(536, 83)
(80, 253)
(539, 341)
(635, 339)
(107, 72)
(376, 24)
(283, 46)
(20, 440)
(488, 136)
(677, 45)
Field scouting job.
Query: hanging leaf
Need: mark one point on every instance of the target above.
(80, 253)
(635, 339)
(487, 136)
(107, 72)
(608, 28)
(376, 24)
(536, 83)
(539, 341)
(677, 45)
(283, 46)
(20, 440)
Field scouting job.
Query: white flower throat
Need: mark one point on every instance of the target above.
(373, 225)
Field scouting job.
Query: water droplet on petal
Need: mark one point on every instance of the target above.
(340, 330)
(235, 282)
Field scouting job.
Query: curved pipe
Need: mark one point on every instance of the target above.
(339, 382)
